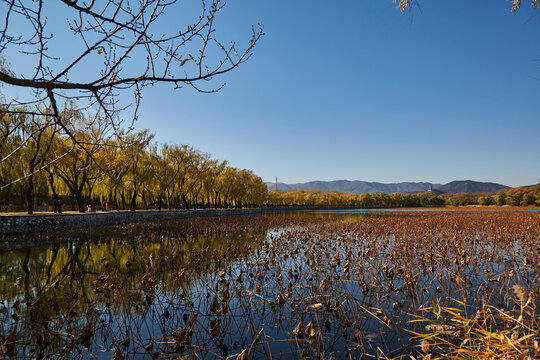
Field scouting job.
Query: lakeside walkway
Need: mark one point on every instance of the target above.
(70, 212)
(18, 223)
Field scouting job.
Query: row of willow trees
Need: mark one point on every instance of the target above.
(45, 166)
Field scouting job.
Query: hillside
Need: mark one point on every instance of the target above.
(361, 187)
(469, 186)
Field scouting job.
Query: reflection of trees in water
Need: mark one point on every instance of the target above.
(51, 293)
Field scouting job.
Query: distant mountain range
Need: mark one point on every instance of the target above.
(470, 186)
(361, 187)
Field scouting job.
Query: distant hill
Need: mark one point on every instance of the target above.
(355, 187)
(469, 186)
(530, 186)
(361, 187)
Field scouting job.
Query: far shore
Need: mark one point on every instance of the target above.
(292, 207)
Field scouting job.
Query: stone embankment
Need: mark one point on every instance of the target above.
(20, 224)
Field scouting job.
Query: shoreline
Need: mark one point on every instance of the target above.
(22, 223)
(11, 224)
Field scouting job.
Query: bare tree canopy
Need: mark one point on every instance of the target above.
(109, 48)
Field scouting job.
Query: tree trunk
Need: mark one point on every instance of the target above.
(133, 205)
(169, 202)
(57, 203)
(115, 200)
(145, 203)
(123, 198)
(30, 195)
(80, 201)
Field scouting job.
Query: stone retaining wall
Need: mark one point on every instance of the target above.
(32, 223)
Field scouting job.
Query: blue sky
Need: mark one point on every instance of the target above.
(356, 90)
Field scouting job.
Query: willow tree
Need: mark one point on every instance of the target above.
(35, 156)
(138, 165)
(78, 168)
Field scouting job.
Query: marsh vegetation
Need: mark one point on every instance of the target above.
(297, 286)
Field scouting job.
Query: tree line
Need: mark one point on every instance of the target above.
(522, 196)
(336, 198)
(41, 167)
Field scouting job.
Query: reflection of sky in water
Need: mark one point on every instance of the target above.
(269, 289)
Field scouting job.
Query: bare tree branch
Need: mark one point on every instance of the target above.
(117, 46)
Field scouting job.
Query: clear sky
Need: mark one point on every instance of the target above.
(356, 90)
(353, 89)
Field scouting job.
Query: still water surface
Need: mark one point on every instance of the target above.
(330, 286)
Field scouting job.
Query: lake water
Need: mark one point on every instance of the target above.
(287, 285)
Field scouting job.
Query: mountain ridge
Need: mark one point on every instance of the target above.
(361, 187)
